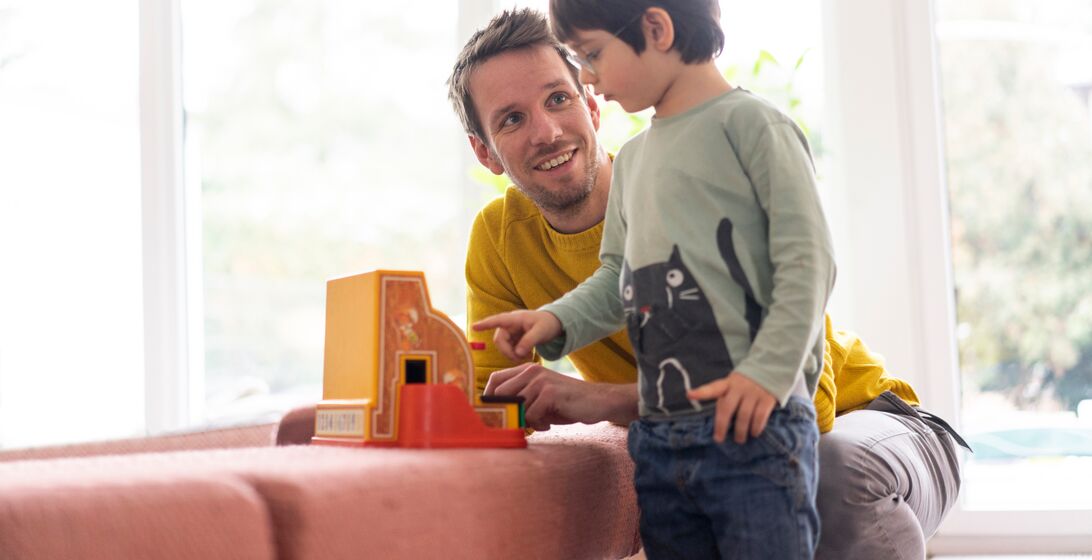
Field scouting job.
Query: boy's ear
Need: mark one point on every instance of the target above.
(485, 155)
(658, 28)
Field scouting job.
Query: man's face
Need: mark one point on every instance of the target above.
(538, 128)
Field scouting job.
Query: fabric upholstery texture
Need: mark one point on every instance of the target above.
(88, 512)
(568, 495)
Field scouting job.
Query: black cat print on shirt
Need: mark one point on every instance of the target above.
(673, 329)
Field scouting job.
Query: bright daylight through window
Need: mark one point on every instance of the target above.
(71, 344)
(321, 142)
(1017, 93)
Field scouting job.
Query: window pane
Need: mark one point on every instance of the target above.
(71, 345)
(1015, 84)
(322, 142)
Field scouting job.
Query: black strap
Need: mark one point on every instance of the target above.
(890, 402)
(947, 428)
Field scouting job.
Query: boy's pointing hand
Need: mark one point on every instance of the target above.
(519, 331)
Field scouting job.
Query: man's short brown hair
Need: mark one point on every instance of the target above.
(510, 30)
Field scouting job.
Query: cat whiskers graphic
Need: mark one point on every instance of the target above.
(691, 294)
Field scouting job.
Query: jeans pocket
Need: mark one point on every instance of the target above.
(783, 442)
(785, 454)
(786, 427)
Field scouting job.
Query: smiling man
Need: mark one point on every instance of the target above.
(539, 131)
(525, 115)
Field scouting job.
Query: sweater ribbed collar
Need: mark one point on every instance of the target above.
(580, 241)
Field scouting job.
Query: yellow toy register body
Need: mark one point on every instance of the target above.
(397, 372)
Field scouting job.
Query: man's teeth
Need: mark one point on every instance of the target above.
(556, 161)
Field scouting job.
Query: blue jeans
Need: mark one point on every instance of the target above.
(700, 499)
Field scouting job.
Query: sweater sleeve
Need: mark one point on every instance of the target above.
(802, 255)
(826, 394)
(489, 290)
(593, 309)
(862, 375)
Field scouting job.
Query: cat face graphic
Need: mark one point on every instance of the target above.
(676, 289)
(664, 296)
(674, 331)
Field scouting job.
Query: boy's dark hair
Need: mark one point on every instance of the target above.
(698, 36)
(510, 30)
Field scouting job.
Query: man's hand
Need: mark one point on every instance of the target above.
(740, 398)
(553, 398)
(519, 331)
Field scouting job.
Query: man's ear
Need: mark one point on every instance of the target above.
(593, 107)
(658, 28)
(485, 155)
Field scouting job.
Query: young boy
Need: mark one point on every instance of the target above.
(717, 258)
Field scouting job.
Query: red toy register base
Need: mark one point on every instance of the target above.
(398, 373)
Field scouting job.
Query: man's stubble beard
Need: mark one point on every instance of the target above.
(567, 201)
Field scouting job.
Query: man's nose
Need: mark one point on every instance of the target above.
(545, 129)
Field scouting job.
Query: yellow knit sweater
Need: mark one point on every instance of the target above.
(517, 261)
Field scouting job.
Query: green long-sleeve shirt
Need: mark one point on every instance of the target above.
(715, 254)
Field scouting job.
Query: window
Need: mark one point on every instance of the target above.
(322, 144)
(916, 234)
(71, 360)
(1016, 84)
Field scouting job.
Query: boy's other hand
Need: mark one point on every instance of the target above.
(519, 331)
(738, 398)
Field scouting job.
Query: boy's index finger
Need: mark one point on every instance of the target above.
(487, 323)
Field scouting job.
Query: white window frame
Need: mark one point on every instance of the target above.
(885, 134)
(168, 390)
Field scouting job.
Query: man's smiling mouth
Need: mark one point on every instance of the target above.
(552, 163)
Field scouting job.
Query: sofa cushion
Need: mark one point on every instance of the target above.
(568, 495)
(87, 510)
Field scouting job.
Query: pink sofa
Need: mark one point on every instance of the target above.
(232, 494)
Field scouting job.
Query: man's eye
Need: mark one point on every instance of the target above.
(558, 98)
(512, 119)
(592, 56)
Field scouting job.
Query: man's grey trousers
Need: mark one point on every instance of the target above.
(887, 477)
